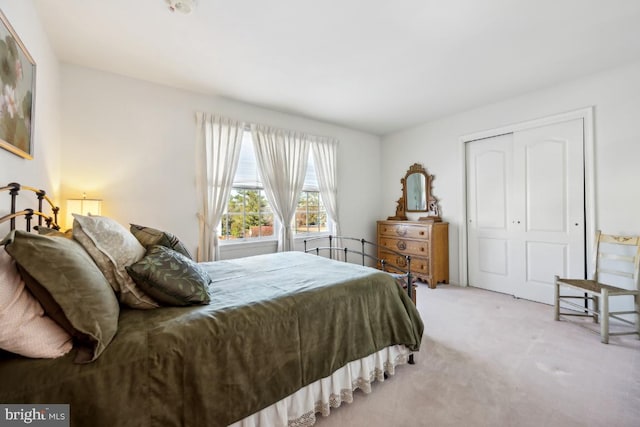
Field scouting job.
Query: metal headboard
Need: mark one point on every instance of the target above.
(14, 189)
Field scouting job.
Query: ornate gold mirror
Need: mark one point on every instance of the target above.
(416, 195)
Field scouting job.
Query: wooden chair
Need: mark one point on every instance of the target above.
(616, 262)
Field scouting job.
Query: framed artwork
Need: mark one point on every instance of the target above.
(17, 94)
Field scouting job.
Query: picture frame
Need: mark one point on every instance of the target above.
(17, 92)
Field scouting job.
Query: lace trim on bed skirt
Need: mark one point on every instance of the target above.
(300, 409)
(346, 395)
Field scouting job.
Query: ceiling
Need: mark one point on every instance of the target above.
(377, 66)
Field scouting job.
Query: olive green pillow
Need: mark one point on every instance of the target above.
(170, 277)
(67, 283)
(148, 237)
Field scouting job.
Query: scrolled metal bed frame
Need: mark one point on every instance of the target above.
(380, 263)
(14, 189)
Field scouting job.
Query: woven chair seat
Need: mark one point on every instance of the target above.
(592, 286)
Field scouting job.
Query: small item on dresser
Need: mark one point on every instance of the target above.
(400, 215)
(430, 218)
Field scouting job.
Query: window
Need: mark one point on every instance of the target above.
(311, 216)
(248, 215)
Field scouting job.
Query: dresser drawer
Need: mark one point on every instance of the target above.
(404, 230)
(418, 265)
(409, 247)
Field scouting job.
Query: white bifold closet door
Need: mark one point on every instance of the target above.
(525, 202)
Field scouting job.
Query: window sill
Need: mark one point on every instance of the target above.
(247, 243)
(266, 242)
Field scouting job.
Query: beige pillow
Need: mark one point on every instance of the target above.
(113, 248)
(24, 328)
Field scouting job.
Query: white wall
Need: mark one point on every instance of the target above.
(131, 143)
(615, 94)
(44, 170)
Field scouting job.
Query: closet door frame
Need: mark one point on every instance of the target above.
(586, 114)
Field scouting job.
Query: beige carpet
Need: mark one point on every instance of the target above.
(488, 359)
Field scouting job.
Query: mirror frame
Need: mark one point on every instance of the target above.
(417, 168)
(432, 203)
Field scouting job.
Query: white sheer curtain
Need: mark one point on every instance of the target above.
(325, 158)
(282, 159)
(218, 143)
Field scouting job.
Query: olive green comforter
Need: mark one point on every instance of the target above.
(275, 324)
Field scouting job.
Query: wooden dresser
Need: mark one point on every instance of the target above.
(426, 243)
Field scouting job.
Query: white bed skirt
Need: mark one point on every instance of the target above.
(300, 408)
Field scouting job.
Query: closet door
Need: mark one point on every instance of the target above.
(549, 208)
(525, 198)
(489, 203)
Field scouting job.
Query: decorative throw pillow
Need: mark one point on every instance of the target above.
(171, 278)
(113, 248)
(148, 237)
(67, 283)
(24, 328)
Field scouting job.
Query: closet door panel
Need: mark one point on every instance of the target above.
(491, 189)
(545, 180)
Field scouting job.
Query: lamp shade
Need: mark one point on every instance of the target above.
(82, 206)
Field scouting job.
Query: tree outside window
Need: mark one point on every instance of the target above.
(248, 215)
(311, 216)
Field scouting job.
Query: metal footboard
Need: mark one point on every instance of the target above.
(335, 249)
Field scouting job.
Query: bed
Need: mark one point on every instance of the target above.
(284, 337)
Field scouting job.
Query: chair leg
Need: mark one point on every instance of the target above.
(556, 299)
(637, 301)
(596, 308)
(604, 317)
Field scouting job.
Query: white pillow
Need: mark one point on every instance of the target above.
(24, 328)
(113, 248)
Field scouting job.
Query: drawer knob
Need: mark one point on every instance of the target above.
(422, 233)
(401, 245)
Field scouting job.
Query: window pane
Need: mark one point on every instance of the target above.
(311, 216)
(232, 227)
(310, 179)
(247, 173)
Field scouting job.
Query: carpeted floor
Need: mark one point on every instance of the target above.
(488, 359)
